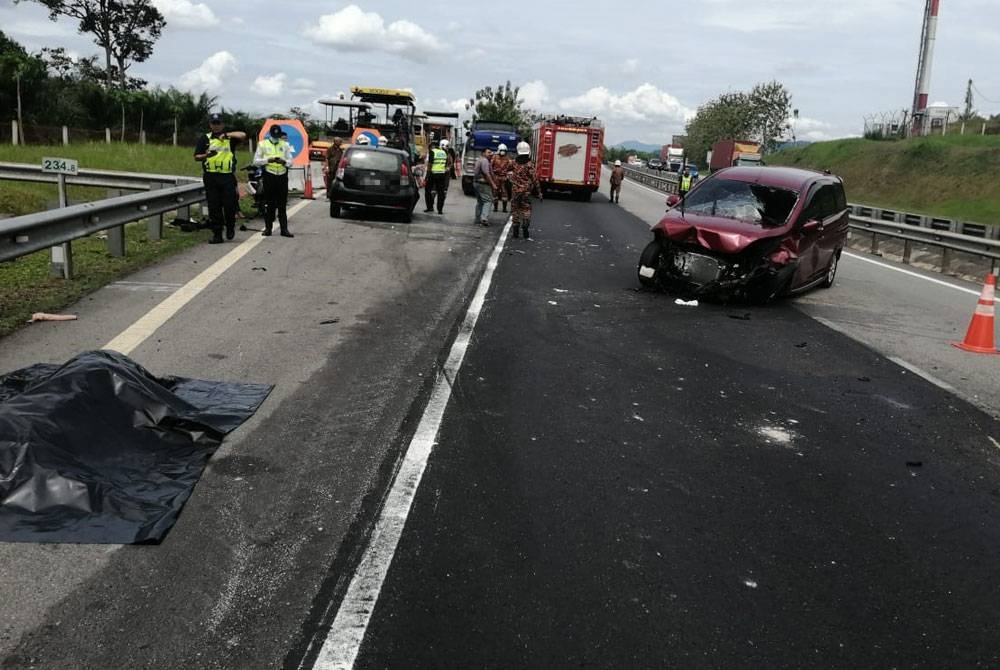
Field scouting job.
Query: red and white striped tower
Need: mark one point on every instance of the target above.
(923, 85)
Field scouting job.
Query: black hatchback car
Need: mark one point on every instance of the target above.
(374, 178)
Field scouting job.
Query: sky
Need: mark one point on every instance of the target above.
(643, 67)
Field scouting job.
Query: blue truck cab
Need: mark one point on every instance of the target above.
(484, 135)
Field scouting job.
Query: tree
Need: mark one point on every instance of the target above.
(125, 29)
(762, 115)
(500, 104)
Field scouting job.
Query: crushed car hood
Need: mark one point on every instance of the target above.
(729, 236)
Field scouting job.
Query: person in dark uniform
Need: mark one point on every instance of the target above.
(215, 151)
(438, 167)
(275, 155)
(684, 182)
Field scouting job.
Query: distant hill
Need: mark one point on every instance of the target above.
(635, 145)
(955, 176)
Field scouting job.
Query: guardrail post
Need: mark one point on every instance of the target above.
(946, 255)
(61, 255)
(154, 224)
(874, 249)
(907, 248)
(115, 241)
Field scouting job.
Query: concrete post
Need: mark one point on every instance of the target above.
(13, 132)
(65, 136)
(874, 250)
(61, 255)
(142, 137)
(907, 249)
(946, 255)
(107, 136)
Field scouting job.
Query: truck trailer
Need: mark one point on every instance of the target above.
(569, 151)
(672, 157)
(727, 153)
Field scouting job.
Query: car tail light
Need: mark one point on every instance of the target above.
(340, 167)
(404, 170)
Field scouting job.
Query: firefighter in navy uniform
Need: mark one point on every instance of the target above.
(275, 155)
(439, 165)
(215, 151)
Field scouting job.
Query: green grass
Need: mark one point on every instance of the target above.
(957, 176)
(25, 284)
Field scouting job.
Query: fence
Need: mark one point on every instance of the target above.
(52, 135)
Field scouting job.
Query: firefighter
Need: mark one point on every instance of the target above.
(215, 151)
(438, 166)
(501, 169)
(523, 183)
(684, 182)
(333, 155)
(275, 155)
(617, 177)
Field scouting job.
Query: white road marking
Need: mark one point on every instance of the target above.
(926, 375)
(995, 443)
(912, 274)
(342, 644)
(130, 338)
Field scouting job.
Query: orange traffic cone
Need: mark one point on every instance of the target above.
(979, 337)
(308, 192)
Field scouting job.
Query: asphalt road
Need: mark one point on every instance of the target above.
(623, 482)
(618, 481)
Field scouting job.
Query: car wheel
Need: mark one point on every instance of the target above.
(334, 210)
(831, 271)
(650, 259)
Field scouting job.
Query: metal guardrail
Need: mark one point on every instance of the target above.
(950, 235)
(130, 181)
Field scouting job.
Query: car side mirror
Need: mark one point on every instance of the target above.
(673, 199)
(812, 224)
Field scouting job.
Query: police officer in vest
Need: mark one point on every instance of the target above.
(684, 182)
(215, 151)
(437, 176)
(275, 155)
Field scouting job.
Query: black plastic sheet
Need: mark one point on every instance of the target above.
(98, 450)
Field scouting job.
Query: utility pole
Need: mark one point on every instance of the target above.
(968, 103)
(922, 88)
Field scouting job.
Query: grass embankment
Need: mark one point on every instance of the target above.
(957, 176)
(25, 284)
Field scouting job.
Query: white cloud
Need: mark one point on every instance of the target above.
(812, 129)
(211, 74)
(187, 14)
(630, 66)
(302, 86)
(356, 30)
(444, 105)
(269, 86)
(645, 103)
(534, 94)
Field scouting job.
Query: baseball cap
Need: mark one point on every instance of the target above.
(215, 118)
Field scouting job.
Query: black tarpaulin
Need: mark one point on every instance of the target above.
(98, 450)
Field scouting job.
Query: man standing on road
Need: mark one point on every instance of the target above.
(501, 170)
(439, 165)
(483, 183)
(617, 177)
(215, 151)
(275, 155)
(684, 182)
(523, 183)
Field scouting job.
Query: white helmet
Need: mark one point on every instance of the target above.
(362, 139)
(523, 149)
(444, 144)
(618, 163)
(382, 140)
(502, 148)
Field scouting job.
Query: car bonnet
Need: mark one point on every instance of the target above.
(719, 234)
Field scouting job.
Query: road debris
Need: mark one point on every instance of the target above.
(686, 303)
(44, 316)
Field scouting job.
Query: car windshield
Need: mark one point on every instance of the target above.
(746, 201)
(374, 160)
(490, 125)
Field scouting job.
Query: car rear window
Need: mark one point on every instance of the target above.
(366, 159)
(746, 201)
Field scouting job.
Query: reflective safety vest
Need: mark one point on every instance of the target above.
(439, 162)
(272, 150)
(685, 183)
(223, 161)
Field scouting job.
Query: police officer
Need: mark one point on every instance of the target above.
(684, 182)
(215, 151)
(275, 155)
(439, 164)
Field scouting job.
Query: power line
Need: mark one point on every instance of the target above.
(979, 93)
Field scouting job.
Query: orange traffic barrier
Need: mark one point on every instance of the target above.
(308, 192)
(979, 338)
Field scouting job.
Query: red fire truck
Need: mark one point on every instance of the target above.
(569, 151)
